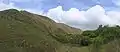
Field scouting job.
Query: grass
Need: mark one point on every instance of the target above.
(26, 32)
(21, 31)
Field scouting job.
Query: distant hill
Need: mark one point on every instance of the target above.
(68, 29)
(21, 31)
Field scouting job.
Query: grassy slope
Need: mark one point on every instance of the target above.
(21, 35)
(21, 31)
(68, 29)
(26, 32)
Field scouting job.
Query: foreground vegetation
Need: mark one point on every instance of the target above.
(104, 35)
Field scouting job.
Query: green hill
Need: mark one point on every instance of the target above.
(21, 31)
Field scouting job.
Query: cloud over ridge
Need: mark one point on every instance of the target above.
(89, 19)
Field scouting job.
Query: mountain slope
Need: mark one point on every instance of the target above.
(21, 31)
(68, 29)
(21, 34)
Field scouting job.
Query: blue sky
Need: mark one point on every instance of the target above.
(83, 14)
(66, 4)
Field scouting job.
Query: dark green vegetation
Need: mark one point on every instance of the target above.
(21, 31)
(104, 35)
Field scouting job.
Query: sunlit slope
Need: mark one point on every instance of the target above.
(21, 31)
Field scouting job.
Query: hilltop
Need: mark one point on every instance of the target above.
(21, 31)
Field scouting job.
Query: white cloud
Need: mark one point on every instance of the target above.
(10, 5)
(89, 19)
(36, 11)
(6, 6)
